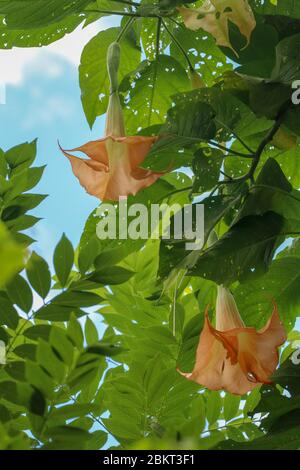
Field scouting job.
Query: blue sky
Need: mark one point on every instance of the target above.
(43, 101)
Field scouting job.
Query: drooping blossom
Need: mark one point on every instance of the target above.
(233, 357)
(112, 169)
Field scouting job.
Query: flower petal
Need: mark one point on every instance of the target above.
(113, 169)
(258, 350)
(94, 179)
(239, 359)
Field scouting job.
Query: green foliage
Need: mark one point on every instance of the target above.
(89, 350)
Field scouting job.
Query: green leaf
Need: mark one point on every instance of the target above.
(37, 13)
(47, 358)
(288, 374)
(38, 274)
(192, 120)
(103, 348)
(174, 255)
(286, 439)
(273, 192)
(24, 395)
(20, 293)
(73, 411)
(62, 345)
(21, 156)
(38, 378)
(23, 181)
(8, 314)
(91, 332)
(93, 77)
(258, 58)
(281, 284)
(76, 299)
(22, 223)
(123, 428)
(113, 275)
(12, 256)
(3, 164)
(287, 68)
(63, 259)
(74, 332)
(206, 166)
(243, 253)
(148, 91)
(57, 313)
(213, 407)
(26, 351)
(68, 437)
(88, 253)
(38, 331)
(231, 406)
(288, 8)
(37, 37)
(168, 153)
(210, 63)
(97, 440)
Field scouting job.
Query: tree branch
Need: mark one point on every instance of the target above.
(256, 157)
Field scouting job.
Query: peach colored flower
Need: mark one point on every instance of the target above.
(112, 169)
(233, 357)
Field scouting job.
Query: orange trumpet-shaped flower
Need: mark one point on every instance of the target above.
(113, 168)
(233, 357)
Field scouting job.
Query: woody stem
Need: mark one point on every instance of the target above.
(256, 157)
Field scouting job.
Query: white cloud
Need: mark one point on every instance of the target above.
(14, 61)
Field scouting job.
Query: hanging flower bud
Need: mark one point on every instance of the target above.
(234, 357)
(113, 168)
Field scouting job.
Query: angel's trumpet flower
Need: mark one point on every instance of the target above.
(233, 357)
(113, 168)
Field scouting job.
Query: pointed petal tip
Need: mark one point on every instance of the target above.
(187, 375)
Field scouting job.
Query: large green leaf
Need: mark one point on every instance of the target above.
(244, 252)
(280, 284)
(37, 37)
(288, 374)
(273, 192)
(210, 63)
(8, 314)
(280, 7)
(147, 92)
(20, 14)
(287, 66)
